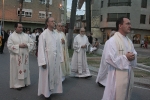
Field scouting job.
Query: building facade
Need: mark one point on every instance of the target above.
(33, 12)
(138, 11)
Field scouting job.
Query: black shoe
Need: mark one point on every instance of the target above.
(88, 76)
(19, 89)
(24, 86)
(100, 84)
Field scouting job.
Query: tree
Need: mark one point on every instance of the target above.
(47, 8)
(21, 6)
(72, 21)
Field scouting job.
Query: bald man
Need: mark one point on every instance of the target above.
(79, 60)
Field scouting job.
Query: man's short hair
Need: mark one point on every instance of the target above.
(40, 30)
(96, 39)
(46, 21)
(58, 23)
(16, 24)
(119, 21)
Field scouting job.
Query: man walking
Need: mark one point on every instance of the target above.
(121, 57)
(64, 47)
(49, 61)
(79, 60)
(19, 45)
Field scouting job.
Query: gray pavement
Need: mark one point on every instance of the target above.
(142, 51)
(73, 88)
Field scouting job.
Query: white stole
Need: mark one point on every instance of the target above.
(53, 75)
(123, 77)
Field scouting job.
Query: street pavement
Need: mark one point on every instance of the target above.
(143, 51)
(73, 88)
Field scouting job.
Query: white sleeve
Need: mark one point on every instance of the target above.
(134, 62)
(76, 46)
(12, 47)
(111, 57)
(30, 44)
(41, 51)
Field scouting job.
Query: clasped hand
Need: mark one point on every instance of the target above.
(62, 41)
(23, 45)
(84, 46)
(130, 56)
(44, 66)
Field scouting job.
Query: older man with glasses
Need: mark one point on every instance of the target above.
(64, 47)
(79, 60)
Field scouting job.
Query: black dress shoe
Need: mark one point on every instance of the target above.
(100, 84)
(19, 89)
(89, 76)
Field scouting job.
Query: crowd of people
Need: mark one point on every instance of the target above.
(50, 46)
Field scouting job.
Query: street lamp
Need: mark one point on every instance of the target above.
(2, 21)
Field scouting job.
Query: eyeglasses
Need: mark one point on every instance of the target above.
(82, 31)
(59, 26)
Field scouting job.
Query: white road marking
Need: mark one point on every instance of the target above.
(142, 69)
(142, 88)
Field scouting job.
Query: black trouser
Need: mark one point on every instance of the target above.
(2, 46)
(142, 45)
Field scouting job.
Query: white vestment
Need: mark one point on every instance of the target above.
(65, 66)
(103, 70)
(120, 72)
(79, 60)
(92, 49)
(49, 54)
(19, 59)
(33, 36)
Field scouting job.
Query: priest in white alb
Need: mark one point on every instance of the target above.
(49, 61)
(19, 45)
(103, 70)
(64, 65)
(121, 57)
(79, 66)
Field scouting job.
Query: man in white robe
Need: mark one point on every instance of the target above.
(19, 45)
(103, 70)
(64, 65)
(79, 66)
(49, 61)
(121, 57)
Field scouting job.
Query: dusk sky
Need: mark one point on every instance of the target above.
(79, 12)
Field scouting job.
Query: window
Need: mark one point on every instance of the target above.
(25, 12)
(44, 1)
(49, 14)
(27, 0)
(101, 4)
(142, 19)
(113, 17)
(144, 3)
(42, 14)
(28, 14)
(101, 18)
(119, 3)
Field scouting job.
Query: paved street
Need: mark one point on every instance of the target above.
(73, 88)
(142, 51)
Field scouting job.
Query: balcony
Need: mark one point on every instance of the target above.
(119, 4)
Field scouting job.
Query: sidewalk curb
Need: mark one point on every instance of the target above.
(142, 65)
(138, 80)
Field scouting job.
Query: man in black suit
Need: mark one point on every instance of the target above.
(4, 39)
